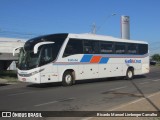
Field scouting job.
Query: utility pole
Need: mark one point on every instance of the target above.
(94, 28)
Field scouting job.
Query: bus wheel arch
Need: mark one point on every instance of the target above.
(68, 77)
(130, 73)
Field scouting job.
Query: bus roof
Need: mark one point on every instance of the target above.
(102, 37)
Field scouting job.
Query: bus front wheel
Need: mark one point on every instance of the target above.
(67, 79)
(129, 74)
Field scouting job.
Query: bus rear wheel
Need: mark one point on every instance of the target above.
(67, 79)
(129, 74)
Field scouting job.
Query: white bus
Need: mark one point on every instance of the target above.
(69, 57)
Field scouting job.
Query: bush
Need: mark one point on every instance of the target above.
(156, 57)
(10, 76)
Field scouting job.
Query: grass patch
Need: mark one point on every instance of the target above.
(10, 76)
(158, 64)
(158, 118)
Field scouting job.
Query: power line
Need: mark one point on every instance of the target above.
(94, 27)
(18, 33)
(8, 33)
(105, 21)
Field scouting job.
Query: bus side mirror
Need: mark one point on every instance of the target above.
(40, 44)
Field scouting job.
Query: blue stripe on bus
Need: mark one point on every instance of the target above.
(104, 60)
(86, 58)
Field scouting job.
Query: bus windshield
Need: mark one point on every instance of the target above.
(28, 60)
(46, 53)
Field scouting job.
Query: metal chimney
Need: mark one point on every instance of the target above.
(125, 27)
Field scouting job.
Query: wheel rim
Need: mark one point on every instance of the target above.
(68, 79)
(130, 74)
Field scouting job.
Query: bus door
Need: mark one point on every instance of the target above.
(46, 58)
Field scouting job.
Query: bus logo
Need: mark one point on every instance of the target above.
(133, 61)
(72, 60)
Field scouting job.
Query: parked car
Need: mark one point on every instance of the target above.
(152, 62)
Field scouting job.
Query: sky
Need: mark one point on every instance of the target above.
(31, 18)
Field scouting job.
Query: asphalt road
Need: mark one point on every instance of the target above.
(86, 95)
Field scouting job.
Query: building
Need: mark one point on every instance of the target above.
(6, 52)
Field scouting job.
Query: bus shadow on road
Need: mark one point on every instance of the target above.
(85, 81)
(3, 84)
(45, 85)
(78, 82)
(110, 79)
(140, 77)
(99, 80)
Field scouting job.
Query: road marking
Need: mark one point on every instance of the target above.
(118, 88)
(46, 103)
(56, 101)
(88, 118)
(19, 93)
(156, 80)
(144, 83)
(67, 99)
(113, 89)
(147, 79)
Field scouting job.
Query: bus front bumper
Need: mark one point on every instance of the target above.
(31, 79)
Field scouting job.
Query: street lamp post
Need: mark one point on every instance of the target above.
(95, 29)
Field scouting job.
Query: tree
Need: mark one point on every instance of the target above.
(156, 57)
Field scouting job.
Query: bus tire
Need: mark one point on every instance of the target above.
(129, 74)
(67, 79)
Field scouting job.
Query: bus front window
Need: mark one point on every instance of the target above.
(47, 53)
(28, 60)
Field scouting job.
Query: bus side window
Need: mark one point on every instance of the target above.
(74, 46)
(91, 47)
(106, 47)
(142, 48)
(120, 48)
(132, 48)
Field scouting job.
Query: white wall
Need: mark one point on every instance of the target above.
(8, 44)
